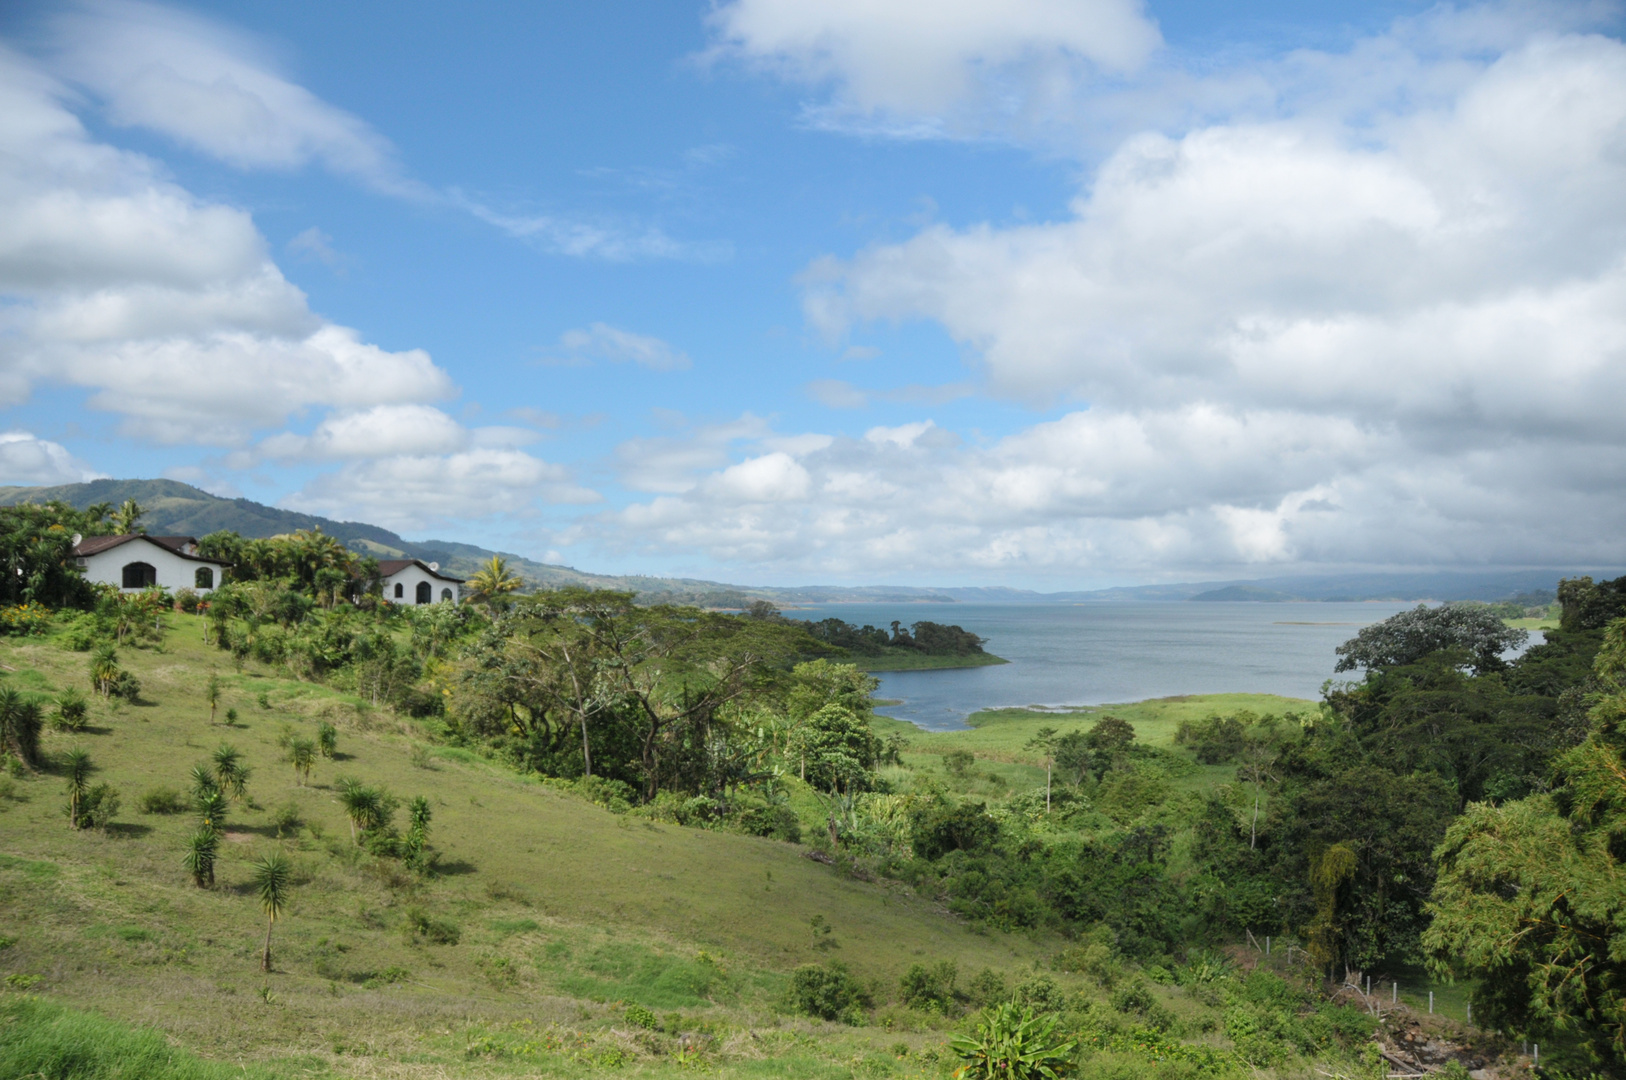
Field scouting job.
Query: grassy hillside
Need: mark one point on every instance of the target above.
(549, 926)
(562, 909)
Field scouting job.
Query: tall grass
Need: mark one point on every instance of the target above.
(41, 1039)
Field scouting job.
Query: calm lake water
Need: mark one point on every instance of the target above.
(1093, 654)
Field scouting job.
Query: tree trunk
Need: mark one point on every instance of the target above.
(1253, 830)
(1047, 766)
(587, 752)
(265, 960)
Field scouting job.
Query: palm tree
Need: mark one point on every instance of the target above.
(302, 755)
(211, 693)
(78, 767)
(272, 876)
(125, 517)
(494, 581)
(201, 849)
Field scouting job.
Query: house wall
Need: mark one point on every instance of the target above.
(409, 578)
(174, 572)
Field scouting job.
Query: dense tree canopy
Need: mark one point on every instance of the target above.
(1529, 900)
(1477, 631)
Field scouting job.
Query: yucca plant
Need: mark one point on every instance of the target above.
(77, 767)
(104, 669)
(1011, 1043)
(302, 755)
(327, 739)
(20, 723)
(212, 806)
(211, 694)
(231, 775)
(203, 780)
(417, 837)
(367, 807)
(72, 711)
(201, 848)
(273, 878)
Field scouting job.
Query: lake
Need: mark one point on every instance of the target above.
(1099, 653)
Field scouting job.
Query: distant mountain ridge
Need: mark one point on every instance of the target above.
(176, 508)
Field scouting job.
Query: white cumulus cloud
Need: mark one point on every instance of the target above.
(911, 59)
(214, 91)
(27, 459)
(166, 308)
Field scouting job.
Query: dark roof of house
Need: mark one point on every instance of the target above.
(175, 545)
(391, 567)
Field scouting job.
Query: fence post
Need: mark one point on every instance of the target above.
(1394, 998)
(1267, 944)
(1470, 1012)
(1369, 986)
(1431, 1003)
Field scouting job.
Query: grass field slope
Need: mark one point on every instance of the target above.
(552, 936)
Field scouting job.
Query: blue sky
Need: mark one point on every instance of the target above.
(1027, 292)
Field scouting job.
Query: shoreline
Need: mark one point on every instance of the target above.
(925, 662)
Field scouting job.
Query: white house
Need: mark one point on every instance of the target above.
(411, 581)
(136, 561)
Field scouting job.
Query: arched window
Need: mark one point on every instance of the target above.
(445, 594)
(400, 590)
(139, 575)
(425, 593)
(204, 578)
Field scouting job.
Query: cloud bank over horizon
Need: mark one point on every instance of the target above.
(1341, 307)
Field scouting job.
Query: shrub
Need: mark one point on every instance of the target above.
(987, 987)
(420, 924)
(187, 600)
(164, 800)
(287, 819)
(959, 762)
(929, 986)
(828, 992)
(1011, 1043)
(327, 738)
(939, 828)
(24, 619)
(100, 805)
(776, 820)
(1133, 997)
(1040, 993)
(72, 711)
(639, 1016)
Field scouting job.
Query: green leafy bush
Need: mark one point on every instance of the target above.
(638, 1016)
(420, 924)
(828, 992)
(1011, 1043)
(929, 986)
(164, 800)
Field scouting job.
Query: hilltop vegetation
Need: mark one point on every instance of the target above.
(569, 832)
